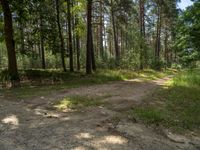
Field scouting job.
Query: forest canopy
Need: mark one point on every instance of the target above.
(77, 34)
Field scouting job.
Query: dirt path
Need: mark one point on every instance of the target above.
(33, 125)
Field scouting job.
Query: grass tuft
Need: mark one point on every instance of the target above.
(149, 114)
(42, 82)
(177, 106)
(77, 102)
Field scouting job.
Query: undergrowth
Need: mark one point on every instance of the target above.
(176, 106)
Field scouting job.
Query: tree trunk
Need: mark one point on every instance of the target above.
(158, 32)
(117, 53)
(42, 43)
(89, 38)
(10, 44)
(77, 44)
(73, 27)
(101, 30)
(166, 53)
(60, 36)
(71, 65)
(142, 35)
(93, 56)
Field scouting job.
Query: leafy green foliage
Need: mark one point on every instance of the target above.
(157, 64)
(4, 76)
(188, 35)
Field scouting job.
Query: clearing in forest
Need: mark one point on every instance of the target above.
(88, 117)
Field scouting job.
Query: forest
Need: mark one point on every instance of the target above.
(99, 74)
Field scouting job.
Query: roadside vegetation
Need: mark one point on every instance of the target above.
(40, 82)
(78, 102)
(176, 106)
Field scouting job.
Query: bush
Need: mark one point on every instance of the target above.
(176, 66)
(4, 76)
(106, 63)
(157, 64)
(54, 75)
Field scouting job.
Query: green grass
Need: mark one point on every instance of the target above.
(78, 102)
(41, 83)
(189, 78)
(177, 106)
(150, 114)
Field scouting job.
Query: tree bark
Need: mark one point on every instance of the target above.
(101, 25)
(142, 34)
(71, 65)
(60, 36)
(10, 44)
(93, 55)
(42, 43)
(117, 53)
(166, 53)
(158, 32)
(77, 44)
(89, 38)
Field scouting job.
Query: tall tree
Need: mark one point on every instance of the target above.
(142, 34)
(89, 38)
(42, 42)
(10, 44)
(188, 35)
(93, 55)
(60, 36)
(70, 35)
(158, 31)
(77, 44)
(117, 52)
(101, 26)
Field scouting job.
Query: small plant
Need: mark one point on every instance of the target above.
(4, 76)
(77, 102)
(157, 64)
(149, 114)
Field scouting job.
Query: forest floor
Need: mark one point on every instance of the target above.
(53, 122)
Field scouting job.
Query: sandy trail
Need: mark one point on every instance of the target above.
(33, 125)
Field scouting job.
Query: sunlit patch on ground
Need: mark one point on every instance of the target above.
(112, 139)
(11, 120)
(79, 148)
(84, 136)
(77, 102)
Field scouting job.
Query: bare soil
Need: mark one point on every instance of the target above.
(33, 124)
